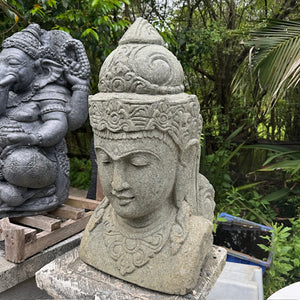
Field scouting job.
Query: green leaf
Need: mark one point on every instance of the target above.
(274, 64)
(221, 219)
(263, 247)
(291, 154)
(249, 186)
(232, 154)
(267, 147)
(234, 134)
(293, 165)
(277, 195)
(90, 31)
(95, 2)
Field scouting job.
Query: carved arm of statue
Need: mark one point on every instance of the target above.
(77, 109)
(51, 132)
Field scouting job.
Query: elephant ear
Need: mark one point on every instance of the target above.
(51, 71)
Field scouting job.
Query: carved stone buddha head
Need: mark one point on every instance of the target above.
(148, 229)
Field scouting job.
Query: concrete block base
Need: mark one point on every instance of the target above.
(69, 278)
(12, 274)
(238, 281)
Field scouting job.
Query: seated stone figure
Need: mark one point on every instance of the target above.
(44, 78)
(154, 227)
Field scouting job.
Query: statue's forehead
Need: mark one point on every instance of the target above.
(113, 149)
(14, 52)
(121, 148)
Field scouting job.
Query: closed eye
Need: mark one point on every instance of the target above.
(14, 62)
(104, 159)
(139, 161)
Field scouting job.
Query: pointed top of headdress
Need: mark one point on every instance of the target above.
(141, 32)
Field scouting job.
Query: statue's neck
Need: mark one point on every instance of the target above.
(148, 222)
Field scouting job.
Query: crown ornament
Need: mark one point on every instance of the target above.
(141, 64)
(141, 89)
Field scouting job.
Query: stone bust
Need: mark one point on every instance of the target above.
(154, 227)
(44, 87)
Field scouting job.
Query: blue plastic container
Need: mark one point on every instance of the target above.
(239, 257)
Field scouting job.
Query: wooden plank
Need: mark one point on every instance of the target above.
(64, 224)
(82, 203)
(41, 222)
(15, 245)
(47, 240)
(5, 224)
(22, 242)
(68, 212)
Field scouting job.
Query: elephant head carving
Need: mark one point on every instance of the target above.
(44, 87)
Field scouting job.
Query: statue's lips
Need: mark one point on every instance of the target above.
(123, 199)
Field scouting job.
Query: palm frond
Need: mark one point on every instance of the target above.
(273, 64)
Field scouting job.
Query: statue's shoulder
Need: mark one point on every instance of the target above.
(53, 92)
(187, 263)
(199, 237)
(199, 223)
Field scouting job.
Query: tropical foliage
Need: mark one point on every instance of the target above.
(273, 63)
(241, 58)
(285, 245)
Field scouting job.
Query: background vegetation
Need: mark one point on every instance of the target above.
(249, 102)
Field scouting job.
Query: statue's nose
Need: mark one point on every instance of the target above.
(119, 182)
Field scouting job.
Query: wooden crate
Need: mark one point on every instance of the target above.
(26, 236)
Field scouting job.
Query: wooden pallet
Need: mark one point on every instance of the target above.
(26, 236)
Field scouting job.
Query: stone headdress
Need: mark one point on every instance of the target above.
(141, 92)
(56, 45)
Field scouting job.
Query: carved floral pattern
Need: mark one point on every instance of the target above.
(180, 121)
(141, 69)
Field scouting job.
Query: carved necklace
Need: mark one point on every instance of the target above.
(16, 99)
(132, 251)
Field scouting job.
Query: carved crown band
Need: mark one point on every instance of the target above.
(176, 115)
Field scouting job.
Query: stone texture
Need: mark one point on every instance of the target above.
(44, 79)
(11, 274)
(69, 278)
(154, 228)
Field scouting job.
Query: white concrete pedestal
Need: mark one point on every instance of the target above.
(238, 282)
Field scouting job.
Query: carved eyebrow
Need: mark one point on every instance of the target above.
(14, 57)
(129, 153)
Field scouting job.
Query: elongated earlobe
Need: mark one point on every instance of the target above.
(186, 177)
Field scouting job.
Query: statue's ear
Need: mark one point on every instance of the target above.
(50, 71)
(186, 180)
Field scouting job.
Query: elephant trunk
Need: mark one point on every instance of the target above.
(5, 86)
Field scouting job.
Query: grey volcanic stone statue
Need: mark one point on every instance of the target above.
(154, 228)
(44, 87)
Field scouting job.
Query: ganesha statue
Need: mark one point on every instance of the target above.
(44, 88)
